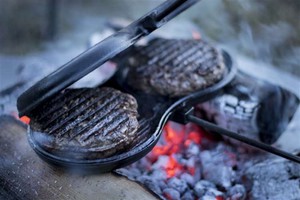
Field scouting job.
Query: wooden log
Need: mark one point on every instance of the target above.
(23, 175)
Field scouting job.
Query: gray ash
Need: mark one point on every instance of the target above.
(274, 179)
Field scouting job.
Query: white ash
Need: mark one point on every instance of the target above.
(237, 192)
(273, 179)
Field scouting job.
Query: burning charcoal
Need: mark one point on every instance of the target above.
(216, 171)
(202, 186)
(192, 150)
(237, 192)
(252, 107)
(273, 179)
(220, 175)
(159, 174)
(191, 162)
(145, 164)
(163, 185)
(161, 162)
(171, 194)
(188, 195)
(177, 184)
(189, 179)
(175, 67)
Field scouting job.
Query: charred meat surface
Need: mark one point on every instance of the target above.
(175, 67)
(86, 123)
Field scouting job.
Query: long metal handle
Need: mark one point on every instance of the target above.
(254, 143)
(92, 58)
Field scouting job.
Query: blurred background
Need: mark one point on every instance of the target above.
(266, 31)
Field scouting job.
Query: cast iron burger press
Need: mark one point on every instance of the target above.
(153, 115)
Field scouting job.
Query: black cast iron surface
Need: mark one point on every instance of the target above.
(153, 116)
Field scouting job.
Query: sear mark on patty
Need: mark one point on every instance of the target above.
(175, 67)
(86, 123)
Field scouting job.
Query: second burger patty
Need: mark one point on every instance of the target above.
(175, 67)
(86, 123)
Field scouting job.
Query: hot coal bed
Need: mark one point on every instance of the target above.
(190, 163)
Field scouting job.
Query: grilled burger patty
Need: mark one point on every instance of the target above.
(86, 123)
(175, 67)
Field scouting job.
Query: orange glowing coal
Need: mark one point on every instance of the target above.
(175, 139)
(25, 119)
(196, 35)
(173, 167)
(219, 198)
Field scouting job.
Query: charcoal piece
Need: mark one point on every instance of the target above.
(145, 164)
(86, 123)
(162, 184)
(189, 179)
(273, 179)
(237, 192)
(159, 174)
(161, 162)
(220, 175)
(188, 195)
(202, 187)
(214, 192)
(216, 168)
(171, 194)
(252, 107)
(178, 184)
(192, 150)
(175, 67)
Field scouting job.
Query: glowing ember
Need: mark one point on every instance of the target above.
(196, 35)
(219, 198)
(187, 163)
(176, 139)
(173, 167)
(25, 119)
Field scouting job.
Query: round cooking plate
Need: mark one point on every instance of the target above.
(157, 121)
